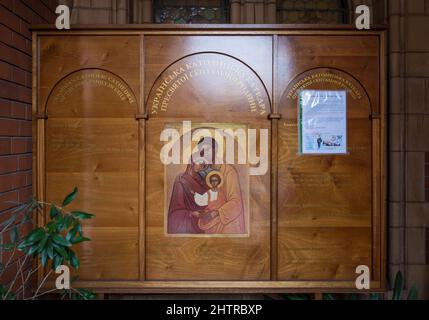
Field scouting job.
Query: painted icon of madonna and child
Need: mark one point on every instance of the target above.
(207, 198)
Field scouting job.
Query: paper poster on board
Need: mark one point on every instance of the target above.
(323, 122)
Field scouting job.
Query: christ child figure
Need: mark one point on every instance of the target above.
(209, 218)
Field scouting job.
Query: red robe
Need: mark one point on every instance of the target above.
(182, 203)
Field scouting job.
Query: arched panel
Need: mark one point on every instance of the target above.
(326, 233)
(92, 143)
(215, 92)
(211, 85)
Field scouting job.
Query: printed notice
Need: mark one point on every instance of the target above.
(323, 122)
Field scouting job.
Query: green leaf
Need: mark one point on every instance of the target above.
(61, 240)
(412, 294)
(58, 260)
(328, 296)
(42, 243)
(44, 258)
(51, 226)
(86, 294)
(68, 220)
(74, 261)
(7, 246)
(54, 212)
(82, 215)
(70, 197)
(50, 250)
(297, 297)
(375, 296)
(33, 249)
(59, 224)
(398, 287)
(79, 239)
(61, 251)
(35, 235)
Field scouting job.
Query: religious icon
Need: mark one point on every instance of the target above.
(207, 197)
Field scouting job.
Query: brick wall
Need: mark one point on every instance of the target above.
(427, 177)
(15, 104)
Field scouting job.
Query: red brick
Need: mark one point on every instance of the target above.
(5, 108)
(15, 57)
(24, 12)
(5, 71)
(21, 145)
(28, 178)
(19, 42)
(9, 164)
(24, 29)
(28, 80)
(18, 76)
(25, 128)
(9, 127)
(25, 162)
(12, 91)
(5, 146)
(15, 110)
(9, 90)
(13, 181)
(8, 4)
(25, 194)
(42, 11)
(5, 34)
(8, 200)
(19, 111)
(28, 112)
(9, 19)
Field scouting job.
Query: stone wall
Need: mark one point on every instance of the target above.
(98, 11)
(409, 141)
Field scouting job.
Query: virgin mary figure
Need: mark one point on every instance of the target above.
(186, 215)
(183, 211)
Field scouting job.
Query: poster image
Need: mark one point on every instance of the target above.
(323, 122)
(206, 199)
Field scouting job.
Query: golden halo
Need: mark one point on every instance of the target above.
(212, 173)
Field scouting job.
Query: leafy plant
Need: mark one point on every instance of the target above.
(50, 244)
(398, 290)
(398, 293)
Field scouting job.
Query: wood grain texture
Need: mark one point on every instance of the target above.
(313, 219)
(89, 89)
(326, 202)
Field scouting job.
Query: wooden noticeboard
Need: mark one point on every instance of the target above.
(104, 96)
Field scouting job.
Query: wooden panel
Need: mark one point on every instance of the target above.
(210, 88)
(92, 143)
(62, 55)
(335, 250)
(325, 202)
(254, 51)
(312, 219)
(111, 255)
(190, 258)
